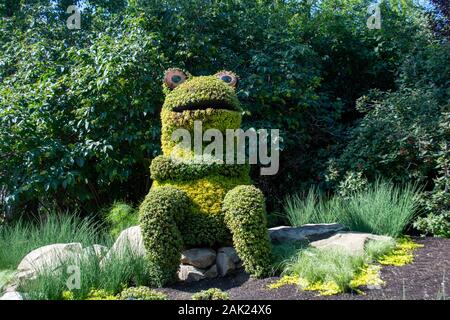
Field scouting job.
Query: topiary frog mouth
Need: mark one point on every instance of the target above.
(203, 105)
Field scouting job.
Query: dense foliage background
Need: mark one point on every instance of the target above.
(79, 109)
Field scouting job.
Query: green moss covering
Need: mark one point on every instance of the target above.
(185, 206)
(245, 215)
(201, 93)
(163, 168)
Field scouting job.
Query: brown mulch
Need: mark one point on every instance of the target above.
(426, 278)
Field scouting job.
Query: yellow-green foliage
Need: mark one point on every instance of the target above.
(211, 294)
(165, 168)
(101, 295)
(219, 119)
(369, 275)
(402, 254)
(246, 217)
(285, 281)
(205, 223)
(324, 288)
(141, 293)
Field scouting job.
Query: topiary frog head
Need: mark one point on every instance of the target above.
(209, 99)
(184, 92)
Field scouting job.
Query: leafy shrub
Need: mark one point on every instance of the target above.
(382, 208)
(121, 216)
(141, 293)
(352, 183)
(211, 294)
(78, 137)
(158, 214)
(434, 224)
(404, 134)
(437, 202)
(245, 215)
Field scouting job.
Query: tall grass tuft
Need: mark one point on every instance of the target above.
(310, 209)
(334, 266)
(382, 208)
(112, 275)
(325, 266)
(20, 238)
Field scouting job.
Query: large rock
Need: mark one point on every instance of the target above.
(212, 272)
(225, 264)
(190, 273)
(200, 258)
(48, 258)
(12, 295)
(97, 249)
(230, 252)
(305, 233)
(129, 239)
(351, 242)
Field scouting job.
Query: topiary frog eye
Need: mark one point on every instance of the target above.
(228, 77)
(174, 77)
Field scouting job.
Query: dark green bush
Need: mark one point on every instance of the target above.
(245, 215)
(79, 109)
(160, 213)
(163, 168)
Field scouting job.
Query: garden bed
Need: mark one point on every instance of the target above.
(425, 278)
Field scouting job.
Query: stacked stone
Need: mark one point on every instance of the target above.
(201, 263)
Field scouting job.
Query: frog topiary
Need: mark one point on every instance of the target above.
(206, 203)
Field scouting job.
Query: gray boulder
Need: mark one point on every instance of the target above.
(12, 295)
(230, 252)
(200, 258)
(129, 239)
(212, 272)
(350, 242)
(190, 273)
(305, 233)
(225, 264)
(48, 258)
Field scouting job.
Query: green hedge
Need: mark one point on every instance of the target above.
(246, 217)
(160, 213)
(163, 168)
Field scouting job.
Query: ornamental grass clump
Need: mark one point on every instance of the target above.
(381, 208)
(20, 238)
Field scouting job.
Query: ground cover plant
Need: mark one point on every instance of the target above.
(331, 271)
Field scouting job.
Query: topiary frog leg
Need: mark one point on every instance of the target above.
(245, 216)
(160, 214)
